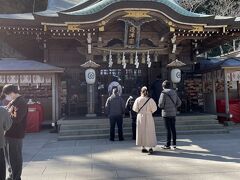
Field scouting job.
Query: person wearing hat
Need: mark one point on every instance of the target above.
(18, 113)
(169, 102)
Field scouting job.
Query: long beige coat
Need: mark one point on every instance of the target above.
(146, 133)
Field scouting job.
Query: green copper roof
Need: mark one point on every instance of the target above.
(102, 4)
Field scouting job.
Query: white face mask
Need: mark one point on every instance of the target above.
(8, 98)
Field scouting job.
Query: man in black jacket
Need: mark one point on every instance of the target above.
(14, 136)
(115, 110)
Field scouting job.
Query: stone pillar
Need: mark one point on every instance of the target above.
(54, 99)
(91, 100)
(226, 93)
(214, 92)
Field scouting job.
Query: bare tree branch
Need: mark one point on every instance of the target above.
(225, 7)
(191, 5)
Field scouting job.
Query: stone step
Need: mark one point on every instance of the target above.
(129, 129)
(128, 135)
(106, 120)
(128, 124)
(99, 128)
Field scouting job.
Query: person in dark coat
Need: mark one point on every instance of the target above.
(115, 109)
(5, 124)
(133, 114)
(156, 89)
(14, 136)
(169, 102)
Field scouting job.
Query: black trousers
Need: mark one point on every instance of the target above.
(2, 165)
(13, 155)
(134, 124)
(119, 121)
(171, 130)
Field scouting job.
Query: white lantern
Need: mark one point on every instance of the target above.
(90, 76)
(176, 75)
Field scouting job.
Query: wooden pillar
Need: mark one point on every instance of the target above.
(226, 93)
(214, 92)
(55, 99)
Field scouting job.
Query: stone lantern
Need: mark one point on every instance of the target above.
(176, 72)
(90, 77)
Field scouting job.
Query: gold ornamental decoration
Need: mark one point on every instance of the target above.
(102, 26)
(73, 27)
(137, 14)
(197, 29)
(171, 26)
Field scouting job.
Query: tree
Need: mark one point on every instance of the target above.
(216, 7)
(192, 5)
(22, 6)
(224, 7)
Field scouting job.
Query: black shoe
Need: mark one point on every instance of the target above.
(144, 150)
(150, 151)
(166, 147)
(121, 139)
(111, 139)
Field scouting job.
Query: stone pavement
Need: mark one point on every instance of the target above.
(200, 157)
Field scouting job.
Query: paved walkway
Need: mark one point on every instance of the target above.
(200, 157)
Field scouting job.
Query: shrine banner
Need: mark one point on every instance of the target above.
(25, 79)
(12, 79)
(37, 79)
(236, 76)
(2, 79)
(228, 77)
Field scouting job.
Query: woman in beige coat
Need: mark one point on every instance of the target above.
(146, 134)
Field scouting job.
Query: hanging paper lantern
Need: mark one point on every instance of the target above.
(110, 60)
(149, 63)
(124, 61)
(90, 76)
(176, 75)
(136, 60)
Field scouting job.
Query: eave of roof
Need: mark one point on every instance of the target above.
(218, 63)
(101, 5)
(11, 65)
(92, 11)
